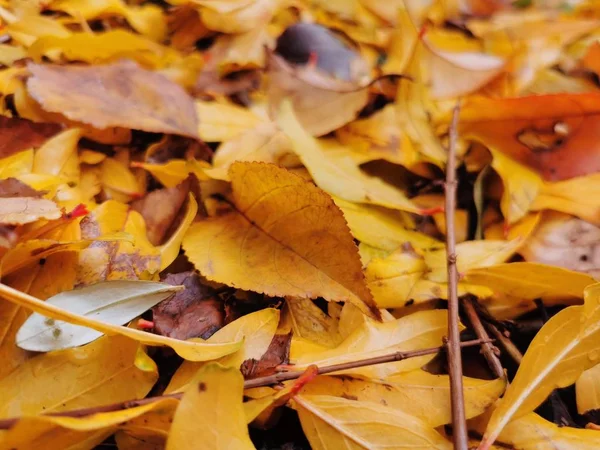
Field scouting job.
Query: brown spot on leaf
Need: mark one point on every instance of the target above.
(202, 386)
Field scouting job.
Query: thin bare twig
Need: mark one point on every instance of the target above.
(459, 424)
(488, 350)
(257, 382)
(508, 345)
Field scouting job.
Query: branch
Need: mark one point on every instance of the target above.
(257, 382)
(459, 424)
(505, 342)
(488, 350)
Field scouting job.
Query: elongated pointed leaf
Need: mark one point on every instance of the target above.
(115, 302)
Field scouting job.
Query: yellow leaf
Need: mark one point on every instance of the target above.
(111, 369)
(58, 156)
(33, 250)
(565, 346)
(170, 249)
(22, 210)
(210, 415)
(577, 196)
(469, 255)
(330, 421)
(119, 181)
(80, 432)
(587, 390)
(383, 228)
(419, 393)
(175, 171)
(285, 238)
(145, 19)
(255, 330)
(193, 350)
(309, 322)
(521, 186)
(103, 47)
(335, 172)
(420, 330)
(18, 164)
(264, 143)
(27, 30)
(532, 432)
(524, 280)
(220, 121)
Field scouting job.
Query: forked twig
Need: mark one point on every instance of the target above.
(459, 424)
(487, 348)
(257, 382)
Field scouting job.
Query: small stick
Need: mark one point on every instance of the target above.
(488, 350)
(459, 424)
(506, 343)
(256, 382)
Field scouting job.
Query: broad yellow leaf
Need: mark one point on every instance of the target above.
(337, 173)
(114, 302)
(419, 393)
(33, 250)
(309, 322)
(524, 280)
(383, 228)
(112, 369)
(86, 432)
(119, 182)
(329, 422)
(237, 16)
(221, 121)
(194, 349)
(150, 102)
(58, 156)
(175, 171)
(256, 330)
(587, 390)
(565, 346)
(469, 255)
(210, 414)
(420, 330)
(285, 238)
(264, 143)
(18, 164)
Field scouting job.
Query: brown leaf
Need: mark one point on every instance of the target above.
(11, 187)
(193, 312)
(22, 210)
(160, 208)
(277, 353)
(20, 134)
(121, 94)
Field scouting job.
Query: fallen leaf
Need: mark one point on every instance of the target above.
(587, 391)
(18, 134)
(277, 354)
(220, 121)
(196, 350)
(559, 353)
(193, 312)
(327, 421)
(547, 133)
(417, 393)
(114, 95)
(564, 241)
(111, 369)
(337, 174)
(308, 322)
(22, 210)
(280, 263)
(11, 187)
(422, 329)
(322, 104)
(114, 302)
(223, 424)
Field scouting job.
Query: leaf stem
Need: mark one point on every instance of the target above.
(256, 382)
(459, 424)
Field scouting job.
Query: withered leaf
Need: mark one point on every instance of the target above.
(22, 210)
(160, 208)
(20, 134)
(193, 312)
(11, 187)
(121, 94)
(277, 353)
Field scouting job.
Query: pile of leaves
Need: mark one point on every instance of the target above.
(202, 200)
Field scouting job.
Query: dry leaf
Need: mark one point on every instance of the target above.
(17, 134)
(22, 210)
(210, 415)
(115, 95)
(292, 258)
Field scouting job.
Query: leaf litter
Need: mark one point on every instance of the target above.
(203, 202)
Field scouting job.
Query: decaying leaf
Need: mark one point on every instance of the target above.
(280, 240)
(20, 134)
(114, 95)
(22, 210)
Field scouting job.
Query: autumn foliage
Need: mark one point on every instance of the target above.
(203, 203)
